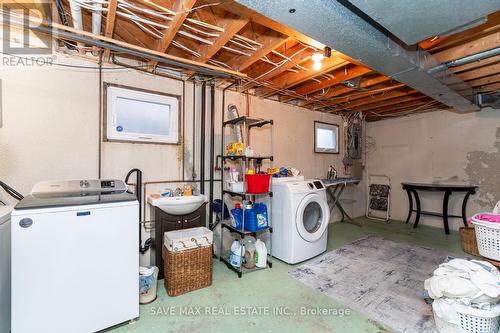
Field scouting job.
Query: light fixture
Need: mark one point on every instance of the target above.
(317, 57)
(317, 65)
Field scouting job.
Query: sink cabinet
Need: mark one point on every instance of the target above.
(167, 222)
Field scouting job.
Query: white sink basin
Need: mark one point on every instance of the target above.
(178, 205)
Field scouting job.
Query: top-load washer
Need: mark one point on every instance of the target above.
(75, 257)
(300, 218)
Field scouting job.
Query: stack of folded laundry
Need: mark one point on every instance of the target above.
(469, 288)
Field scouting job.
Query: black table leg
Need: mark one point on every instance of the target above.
(417, 202)
(410, 201)
(464, 207)
(446, 199)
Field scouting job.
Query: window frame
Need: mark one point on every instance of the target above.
(337, 136)
(106, 114)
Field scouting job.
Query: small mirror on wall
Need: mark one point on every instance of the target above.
(326, 138)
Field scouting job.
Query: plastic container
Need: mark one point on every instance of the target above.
(487, 237)
(250, 252)
(148, 295)
(237, 252)
(257, 184)
(260, 254)
(236, 186)
(256, 218)
(237, 213)
(470, 321)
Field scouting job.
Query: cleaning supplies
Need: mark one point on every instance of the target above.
(187, 190)
(237, 216)
(237, 252)
(233, 175)
(256, 217)
(249, 260)
(260, 254)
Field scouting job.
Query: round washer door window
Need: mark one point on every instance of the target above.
(312, 218)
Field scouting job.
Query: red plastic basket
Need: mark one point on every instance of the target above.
(257, 183)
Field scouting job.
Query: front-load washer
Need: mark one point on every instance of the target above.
(300, 217)
(75, 257)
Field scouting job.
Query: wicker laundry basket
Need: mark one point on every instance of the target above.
(468, 239)
(187, 255)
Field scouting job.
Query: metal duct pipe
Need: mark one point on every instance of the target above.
(346, 32)
(212, 152)
(202, 136)
(465, 60)
(121, 49)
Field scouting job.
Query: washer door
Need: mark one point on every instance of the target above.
(312, 217)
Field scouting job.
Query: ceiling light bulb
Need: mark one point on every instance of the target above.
(316, 57)
(317, 65)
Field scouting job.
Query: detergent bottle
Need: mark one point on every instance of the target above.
(237, 252)
(260, 254)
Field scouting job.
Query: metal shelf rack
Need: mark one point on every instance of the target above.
(246, 123)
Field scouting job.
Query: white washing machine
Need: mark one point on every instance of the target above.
(5, 268)
(300, 217)
(75, 257)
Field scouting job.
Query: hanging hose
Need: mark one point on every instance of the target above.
(138, 194)
(10, 191)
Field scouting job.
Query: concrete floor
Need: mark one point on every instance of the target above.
(272, 290)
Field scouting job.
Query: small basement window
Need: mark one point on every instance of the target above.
(141, 116)
(326, 138)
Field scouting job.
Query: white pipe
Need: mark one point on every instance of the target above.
(76, 15)
(76, 18)
(96, 19)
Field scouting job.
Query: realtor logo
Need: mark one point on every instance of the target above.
(18, 37)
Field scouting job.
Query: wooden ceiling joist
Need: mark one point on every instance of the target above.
(268, 45)
(340, 90)
(232, 25)
(422, 100)
(342, 75)
(288, 80)
(485, 81)
(182, 9)
(355, 95)
(390, 102)
(479, 45)
(372, 99)
(110, 25)
(296, 55)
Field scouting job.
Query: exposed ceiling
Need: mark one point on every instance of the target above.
(275, 59)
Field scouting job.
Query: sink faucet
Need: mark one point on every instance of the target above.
(168, 192)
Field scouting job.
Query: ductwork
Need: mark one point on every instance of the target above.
(333, 24)
(413, 21)
(488, 99)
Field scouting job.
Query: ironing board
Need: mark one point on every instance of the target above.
(334, 190)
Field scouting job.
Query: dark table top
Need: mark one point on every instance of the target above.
(439, 186)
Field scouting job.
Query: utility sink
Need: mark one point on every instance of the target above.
(178, 205)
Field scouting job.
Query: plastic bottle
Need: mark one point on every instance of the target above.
(260, 254)
(237, 214)
(237, 251)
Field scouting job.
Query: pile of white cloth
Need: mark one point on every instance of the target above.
(464, 284)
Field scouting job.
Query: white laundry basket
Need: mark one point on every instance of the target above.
(471, 320)
(487, 237)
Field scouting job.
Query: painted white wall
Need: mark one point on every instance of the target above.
(439, 146)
